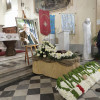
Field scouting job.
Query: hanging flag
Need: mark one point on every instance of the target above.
(52, 24)
(68, 22)
(44, 19)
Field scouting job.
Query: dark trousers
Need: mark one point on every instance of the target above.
(99, 50)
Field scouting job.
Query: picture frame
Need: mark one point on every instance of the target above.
(28, 31)
(51, 5)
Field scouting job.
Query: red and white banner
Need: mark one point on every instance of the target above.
(44, 18)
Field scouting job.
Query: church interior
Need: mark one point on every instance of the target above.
(49, 50)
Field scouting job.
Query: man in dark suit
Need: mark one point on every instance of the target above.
(27, 37)
(98, 46)
(98, 42)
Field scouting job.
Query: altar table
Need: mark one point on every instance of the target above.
(53, 69)
(9, 41)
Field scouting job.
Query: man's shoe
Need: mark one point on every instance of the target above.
(97, 90)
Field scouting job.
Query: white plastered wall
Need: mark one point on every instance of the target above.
(81, 8)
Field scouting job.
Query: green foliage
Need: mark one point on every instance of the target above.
(94, 38)
(68, 79)
(75, 93)
(59, 80)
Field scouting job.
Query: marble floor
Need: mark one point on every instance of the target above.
(36, 87)
(39, 87)
(10, 62)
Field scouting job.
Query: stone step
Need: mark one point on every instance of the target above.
(13, 70)
(15, 76)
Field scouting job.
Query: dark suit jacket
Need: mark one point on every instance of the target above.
(98, 40)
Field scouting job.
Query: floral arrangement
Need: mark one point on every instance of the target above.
(45, 49)
(48, 50)
(77, 82)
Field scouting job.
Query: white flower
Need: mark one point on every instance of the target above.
(47, 41)
(40, 51)
(78, 91)
(69, 53)
(62, 92)
(85, 86)
(36, 49)
(67, 95)
(38, 54)
(80, 74)
(97, 65)
(44, 56)
(63, 55)
(98, 74)
(93, 67)
(90, 70)
(55, 50)
(53, 54)
(43, 47)
(58, 55)
(74, 84)
(63, 84)
(75, 77)
(90, 81)
(70, 96)
(39, 47)
(46, 49)
(44, 42)
(34, 53)
(50, 49)
(95, 76)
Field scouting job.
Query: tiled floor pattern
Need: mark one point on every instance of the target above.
(39, 87)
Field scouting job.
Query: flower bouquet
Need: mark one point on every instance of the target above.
(73, 85)
(48, 51)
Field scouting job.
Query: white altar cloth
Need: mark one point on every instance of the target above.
(9, 37)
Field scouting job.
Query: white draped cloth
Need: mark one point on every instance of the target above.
(68, 22)
(87, 40)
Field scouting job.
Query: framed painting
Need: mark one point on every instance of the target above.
(51, 4)
(28, 31)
